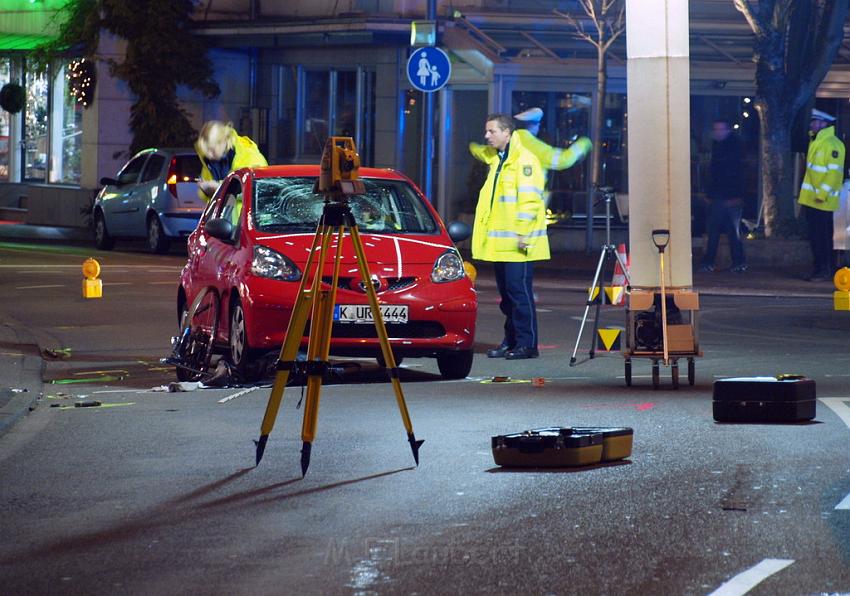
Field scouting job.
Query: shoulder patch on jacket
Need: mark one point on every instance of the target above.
(834, 153)
(526, 170)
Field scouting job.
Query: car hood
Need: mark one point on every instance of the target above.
(393, 253)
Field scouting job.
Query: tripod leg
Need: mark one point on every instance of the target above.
(289, 350)
(593, 287)
(386, 349)
(319, 347)
(601, 281)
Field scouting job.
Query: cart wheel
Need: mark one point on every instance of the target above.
(656, 375)
(628, 372)
(691, 371)
(674, 373)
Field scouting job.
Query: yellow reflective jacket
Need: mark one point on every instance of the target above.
(510, 206)
(554, 158)
(824, 171)
(247, 155)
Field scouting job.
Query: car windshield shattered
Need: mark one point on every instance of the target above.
(388, 207)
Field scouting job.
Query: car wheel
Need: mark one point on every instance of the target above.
(157, 240)
(102, 239)
(455, 365)
(241, 355)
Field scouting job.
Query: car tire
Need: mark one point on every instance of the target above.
(102, 239)
(455, 365)
(241, 355)
(158, 242)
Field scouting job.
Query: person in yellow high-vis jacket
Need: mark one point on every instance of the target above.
(819, 193)
(510, 225)
(222, 151)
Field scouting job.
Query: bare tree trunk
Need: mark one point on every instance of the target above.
(777, 175)
(598, 118)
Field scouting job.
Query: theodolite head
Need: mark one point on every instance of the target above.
(339, 176)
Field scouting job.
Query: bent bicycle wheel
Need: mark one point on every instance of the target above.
(198, 331)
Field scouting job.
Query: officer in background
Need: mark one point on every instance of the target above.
(530, 120)
(820, 190)
(222, 151)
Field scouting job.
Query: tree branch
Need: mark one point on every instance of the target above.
(578, 26)
(833, 31)
(745, 9)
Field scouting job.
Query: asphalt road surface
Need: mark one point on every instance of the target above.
(157, 493)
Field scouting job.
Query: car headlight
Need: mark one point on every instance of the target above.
(449, 267)
(272, 264)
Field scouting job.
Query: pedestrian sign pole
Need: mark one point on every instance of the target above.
(428, 70)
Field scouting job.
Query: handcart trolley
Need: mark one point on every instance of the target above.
(662, 326)
(645, 332)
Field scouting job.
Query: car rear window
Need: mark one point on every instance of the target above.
(388, 207)
(187, 168)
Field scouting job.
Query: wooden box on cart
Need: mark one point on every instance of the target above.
(644, 331)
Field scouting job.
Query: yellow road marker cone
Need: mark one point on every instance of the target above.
(92, 284)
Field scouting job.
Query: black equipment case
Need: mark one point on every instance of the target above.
(561, 447)
(784, 398)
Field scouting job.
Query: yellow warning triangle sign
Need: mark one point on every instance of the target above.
(614, 294)
(610, 339)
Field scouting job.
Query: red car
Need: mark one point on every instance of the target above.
(248, 254)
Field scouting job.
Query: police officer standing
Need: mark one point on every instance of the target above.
(510, 231)
(819, 193)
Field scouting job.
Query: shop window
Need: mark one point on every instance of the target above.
(66, 132)
(330, 102)
(5, 122)
(36, 119)
(316, 93)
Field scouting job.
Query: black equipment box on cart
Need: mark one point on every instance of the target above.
(784, 398)
(556, 447)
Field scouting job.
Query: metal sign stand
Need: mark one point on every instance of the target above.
(598, 285)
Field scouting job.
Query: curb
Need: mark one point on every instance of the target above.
(21, 375)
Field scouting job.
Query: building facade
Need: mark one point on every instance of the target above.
(293, 73)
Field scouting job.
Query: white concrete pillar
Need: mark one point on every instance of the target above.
(658, 79)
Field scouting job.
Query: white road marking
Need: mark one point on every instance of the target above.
(839, 406)
(842, 410)
(747, 580)
(237, 394)
(39, 287)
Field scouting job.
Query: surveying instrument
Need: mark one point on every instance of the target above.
(596, 292)
(338, 179)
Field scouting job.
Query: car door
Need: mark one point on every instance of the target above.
(146, 196)
(117, 202)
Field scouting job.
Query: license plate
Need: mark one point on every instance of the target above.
(361, 313)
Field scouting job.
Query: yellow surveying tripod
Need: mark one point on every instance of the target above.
(338, 179)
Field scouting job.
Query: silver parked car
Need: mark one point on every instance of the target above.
(154, 196)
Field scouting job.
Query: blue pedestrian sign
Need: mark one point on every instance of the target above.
(429, 69)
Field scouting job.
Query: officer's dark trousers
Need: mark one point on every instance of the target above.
(819, 223)
(514, 281)
(724, 219)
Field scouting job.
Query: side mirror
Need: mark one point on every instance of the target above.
(108, 181)
(459, 231)
(220, 228)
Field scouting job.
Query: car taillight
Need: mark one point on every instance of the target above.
(171, 179)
